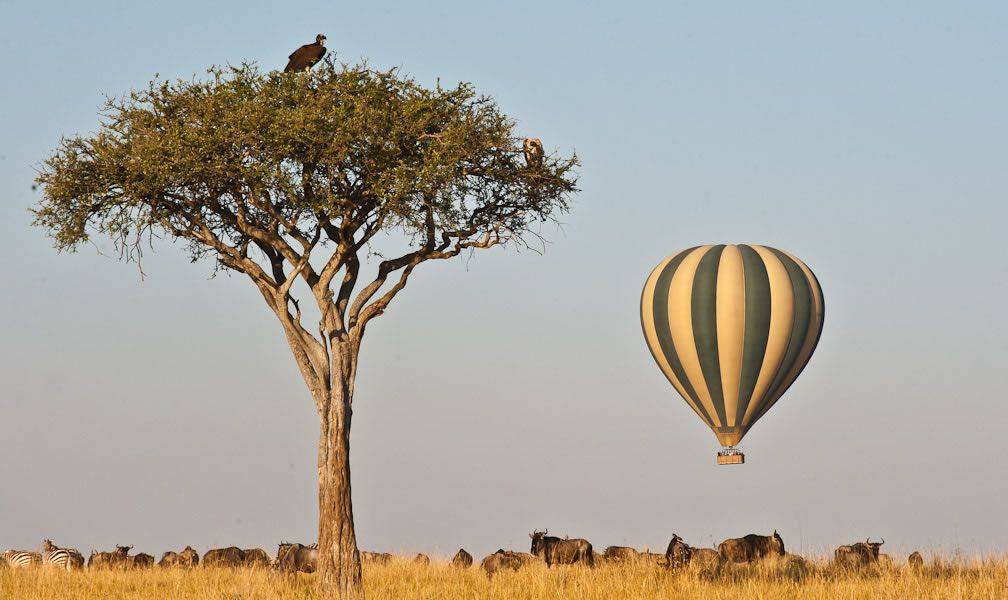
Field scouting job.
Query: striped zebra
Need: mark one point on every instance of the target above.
(21, 558)
(64, 558)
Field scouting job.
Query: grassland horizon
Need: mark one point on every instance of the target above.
(941, 578)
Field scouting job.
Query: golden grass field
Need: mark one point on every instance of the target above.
(980, 579)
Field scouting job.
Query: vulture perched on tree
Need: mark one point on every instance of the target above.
(306, 56)
(533, 152)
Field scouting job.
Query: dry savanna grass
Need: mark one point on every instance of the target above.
(783, 580)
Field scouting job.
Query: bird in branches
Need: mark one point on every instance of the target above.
(533, 152)
(306, 56)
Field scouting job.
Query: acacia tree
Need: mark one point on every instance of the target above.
(291, 180)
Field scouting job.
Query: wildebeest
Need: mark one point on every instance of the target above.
(117, 559)
(751, 547)
(462, 559)
(619, 554)
(231, 556)
(506, 560)
(380, 558)
(706, 559)
(915, 561)
(858, 555)
(678, 553)
(22, 558)
(297, 558)
(255, 558)
(556, 551)
(421, 559)
(186, 559)
(141, 561)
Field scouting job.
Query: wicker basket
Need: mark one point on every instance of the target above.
(731, 459)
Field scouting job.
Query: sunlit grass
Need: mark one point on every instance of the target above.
(782, 579)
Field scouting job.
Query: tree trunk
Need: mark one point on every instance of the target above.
(339, 569)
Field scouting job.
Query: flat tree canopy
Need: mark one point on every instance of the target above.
(288, 179)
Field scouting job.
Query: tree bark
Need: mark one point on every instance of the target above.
(339, 569)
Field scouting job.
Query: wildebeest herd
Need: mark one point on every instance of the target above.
(545, 549)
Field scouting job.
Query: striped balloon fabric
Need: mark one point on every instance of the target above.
(731, 326)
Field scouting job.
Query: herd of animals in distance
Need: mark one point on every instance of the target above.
(545, 549)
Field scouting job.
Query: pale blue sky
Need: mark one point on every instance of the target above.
(516, 391)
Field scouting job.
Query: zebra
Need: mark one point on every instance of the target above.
(21, 558)
(64, 558)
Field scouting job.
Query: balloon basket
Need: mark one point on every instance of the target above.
(730, 456)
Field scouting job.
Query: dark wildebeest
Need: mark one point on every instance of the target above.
(915, 561)
(297, 558)
(620, 554)
(858, 555)
(706, 559)
(255, 558)
(751, 548)
(678, 553)
(506, 560)
(186, 559)
(140, 561)
(229, 557)
(421, 559)
(556, 551)
(119, 559)
(462, 559)
(169, 559)
(379, 558)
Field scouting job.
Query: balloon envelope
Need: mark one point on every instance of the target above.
(731, 327)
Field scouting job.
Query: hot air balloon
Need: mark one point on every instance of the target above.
(731, 327)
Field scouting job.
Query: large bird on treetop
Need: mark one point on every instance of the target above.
(306, 56)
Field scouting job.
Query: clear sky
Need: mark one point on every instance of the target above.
(515, 391)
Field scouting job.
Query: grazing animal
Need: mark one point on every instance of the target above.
(118, 559)
(141, 561)
(858, 555)
(63, 558)
(168, 559)
(619, 554)
(381, 558)
(751, 548)
(297, 558)
(506, 560)
(229, 557)
(306, 56)
(678, 553)
(916, 561)
(421, 559)
(706, 559)
(186, 559)
(556, 551)
(17, 559)
(533, 148)
(462, 559)
(255, 558)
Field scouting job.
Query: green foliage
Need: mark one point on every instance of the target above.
(271, 159)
